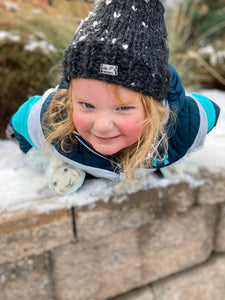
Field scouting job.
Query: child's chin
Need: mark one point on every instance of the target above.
(105, 151)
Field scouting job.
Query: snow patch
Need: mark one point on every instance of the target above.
(11, 6)
(215, 56)
(37, 11)
(44, 46)
(10, 35)
(32, 43)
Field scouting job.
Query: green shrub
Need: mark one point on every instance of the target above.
(26, 73)
(23, 74)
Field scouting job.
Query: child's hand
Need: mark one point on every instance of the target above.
(18, 138)
(9, 132)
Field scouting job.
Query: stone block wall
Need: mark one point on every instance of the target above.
(166, 244)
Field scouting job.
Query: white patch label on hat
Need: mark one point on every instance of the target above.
(109, 69)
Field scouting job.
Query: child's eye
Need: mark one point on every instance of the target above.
(87, 105)
(124, 108)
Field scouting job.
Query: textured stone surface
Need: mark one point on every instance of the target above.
(220, 230)
(212, 191)
(206, 282)
(26, 279)
(133, 257)
(31, 233)
(138, 209)
(127, 251)
(98, 269)
(145, 293)
(175, 243)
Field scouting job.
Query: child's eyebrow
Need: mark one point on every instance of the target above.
(79, 98)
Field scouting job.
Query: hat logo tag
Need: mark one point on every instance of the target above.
(109, 69)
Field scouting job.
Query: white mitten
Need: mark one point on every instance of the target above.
(60, 177)
(176, 171)
(37, 159)
(64, 179)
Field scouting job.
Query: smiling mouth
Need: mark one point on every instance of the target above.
(107, 139)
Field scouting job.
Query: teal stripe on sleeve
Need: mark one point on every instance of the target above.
(20, 118)
(209, 109)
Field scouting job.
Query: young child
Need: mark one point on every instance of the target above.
(120, 105)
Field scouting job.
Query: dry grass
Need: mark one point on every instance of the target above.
(58, 22)
(193, 67)
(36, 15)
(62, 7)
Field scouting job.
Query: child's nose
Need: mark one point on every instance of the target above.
(103, 124)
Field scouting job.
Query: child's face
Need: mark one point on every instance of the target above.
(105, 123)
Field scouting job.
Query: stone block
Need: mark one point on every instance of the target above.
(176, 243)
(98, 269)
(137, 210)
(212, 191)
(26, 279)
(133, 257)
(31, 233)
(220, 230)
(205, 282)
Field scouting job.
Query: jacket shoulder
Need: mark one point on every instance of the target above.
(183, 130)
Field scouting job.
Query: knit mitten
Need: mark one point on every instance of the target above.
(65, 179)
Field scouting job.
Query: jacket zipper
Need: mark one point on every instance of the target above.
(93, 151)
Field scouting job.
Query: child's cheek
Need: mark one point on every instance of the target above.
(132, 127)
(81, 123)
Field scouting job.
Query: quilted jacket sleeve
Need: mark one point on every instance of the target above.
(192, 117)
(26, 122)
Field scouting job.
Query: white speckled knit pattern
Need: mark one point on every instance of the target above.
(122, 42)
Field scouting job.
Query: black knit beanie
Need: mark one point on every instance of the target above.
(122, 42)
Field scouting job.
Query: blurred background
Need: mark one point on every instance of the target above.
(34, 34)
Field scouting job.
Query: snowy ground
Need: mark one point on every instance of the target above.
(24, 187)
